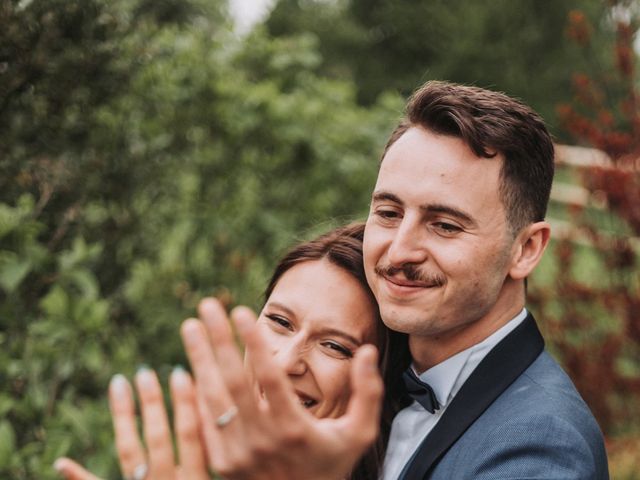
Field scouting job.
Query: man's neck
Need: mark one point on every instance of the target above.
(428, 351)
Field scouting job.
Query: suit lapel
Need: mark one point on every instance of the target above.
(502, 365)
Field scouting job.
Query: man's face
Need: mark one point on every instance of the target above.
(437, 247)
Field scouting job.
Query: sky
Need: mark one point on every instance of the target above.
(247, 12)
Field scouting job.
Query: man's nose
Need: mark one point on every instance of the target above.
(408, 244)
(290, 355)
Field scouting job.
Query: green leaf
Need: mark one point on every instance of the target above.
(6, 404)
(56, 302)
(7, 442)
(9, 221)
(12, 272)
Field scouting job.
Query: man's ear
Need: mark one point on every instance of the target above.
(529, 246)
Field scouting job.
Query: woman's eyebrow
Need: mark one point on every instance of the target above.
(339, 333)
(326, 331)
(280, 306)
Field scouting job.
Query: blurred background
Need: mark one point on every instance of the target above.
(155, 151)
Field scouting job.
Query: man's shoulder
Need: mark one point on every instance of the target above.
(541, 411)
(549, 381)
(539, 423)
(543, 388)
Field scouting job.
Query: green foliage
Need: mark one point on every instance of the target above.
(149, 157)
(147, 163)
(519, 47)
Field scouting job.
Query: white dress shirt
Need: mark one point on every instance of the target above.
(412, 424)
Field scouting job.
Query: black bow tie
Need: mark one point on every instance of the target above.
(421, 392)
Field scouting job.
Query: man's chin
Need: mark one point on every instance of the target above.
(403, 318)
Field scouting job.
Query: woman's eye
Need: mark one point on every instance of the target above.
(340, 349)
(281, 321)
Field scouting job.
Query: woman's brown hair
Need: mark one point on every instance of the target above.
(343, 248)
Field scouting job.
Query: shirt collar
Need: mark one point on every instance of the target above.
(447, 377)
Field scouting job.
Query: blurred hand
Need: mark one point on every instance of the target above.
(157, 461)
(273, 438)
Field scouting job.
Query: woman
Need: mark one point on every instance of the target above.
(318, 312)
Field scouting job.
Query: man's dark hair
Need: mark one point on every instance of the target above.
(491, 123)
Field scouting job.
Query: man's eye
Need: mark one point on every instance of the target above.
(387, 214)
(281, 321)
(446, 228)
(340, 349)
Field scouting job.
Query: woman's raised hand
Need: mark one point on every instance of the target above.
(273, 437)
(246, 436)
(156, 462)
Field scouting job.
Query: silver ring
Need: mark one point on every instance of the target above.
(226, 417)
(139, 473)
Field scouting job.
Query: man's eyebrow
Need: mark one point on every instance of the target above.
(454, 212)
(381, 196)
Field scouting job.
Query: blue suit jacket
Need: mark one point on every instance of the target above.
(518, 416)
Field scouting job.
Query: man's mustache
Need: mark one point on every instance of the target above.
(412, 273)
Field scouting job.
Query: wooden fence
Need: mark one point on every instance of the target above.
(576, 159)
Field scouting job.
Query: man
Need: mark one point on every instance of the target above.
(456, 225)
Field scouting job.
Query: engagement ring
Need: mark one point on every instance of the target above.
(226, 417)
(139, 473)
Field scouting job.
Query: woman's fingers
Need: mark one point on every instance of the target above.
(157, 433)
(213, 399)
(205, 367)
(229, 401)
(72, 470)
(276, 387)
(229, 360)
(212, 443)
(130, 451)
(186, 425)
(362, 420)
(213, 314)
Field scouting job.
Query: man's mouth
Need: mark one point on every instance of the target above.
(408, 277)
(403, 282)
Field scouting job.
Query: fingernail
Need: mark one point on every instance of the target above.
(179, 376)
(242, 322)
(208, 308)
(119, 384)
(144, 377)
(208, 302)
(372, 361)
(58, 465)
(191, 332)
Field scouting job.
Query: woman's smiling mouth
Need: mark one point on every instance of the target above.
(305, 400)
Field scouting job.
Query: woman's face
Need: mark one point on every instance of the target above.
(315, 319)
